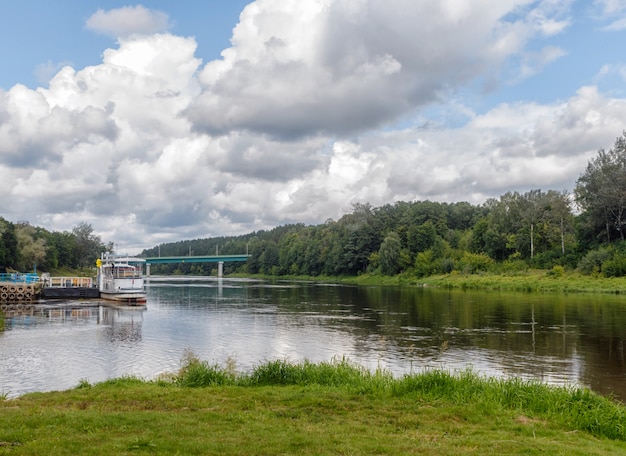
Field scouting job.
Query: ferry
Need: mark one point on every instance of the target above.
(120, 278)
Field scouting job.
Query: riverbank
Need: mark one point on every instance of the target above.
(539, 280)
(326, 408)
(531, 281)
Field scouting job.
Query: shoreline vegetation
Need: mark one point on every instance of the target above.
(531, 281)
(332, 407)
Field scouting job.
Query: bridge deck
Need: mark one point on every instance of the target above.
(196, 259)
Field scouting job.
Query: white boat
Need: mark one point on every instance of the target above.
(120, 278)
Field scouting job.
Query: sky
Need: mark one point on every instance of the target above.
(162, 121)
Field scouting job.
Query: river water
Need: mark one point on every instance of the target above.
(557, 339)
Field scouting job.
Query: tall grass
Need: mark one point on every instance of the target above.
(576, 408)
(579, 408)
(338, 373)
(196, 373)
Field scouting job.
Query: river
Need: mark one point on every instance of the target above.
(557, 339)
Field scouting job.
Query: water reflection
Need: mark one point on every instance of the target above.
(122, 324)
(50, 346)
(559, 339)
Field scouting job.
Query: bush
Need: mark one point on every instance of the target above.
(425, 264)
(615, 267)
(475, 262)
(594, 259)
(556, 271)
(446, 265)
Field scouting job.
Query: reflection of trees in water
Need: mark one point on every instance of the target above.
(605, 370)
(122, 325)
(529, 333)
(541, 335)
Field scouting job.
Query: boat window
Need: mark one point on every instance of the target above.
(126, 272)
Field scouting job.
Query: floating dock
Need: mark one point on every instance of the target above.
(69, 287)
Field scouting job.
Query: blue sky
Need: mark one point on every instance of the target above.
(161, 121)
(35, 33)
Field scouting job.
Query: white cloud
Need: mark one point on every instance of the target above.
(610, 7)
(301, 67)
(149, 146)
(534, 62)
(616, 26)
(127, 21)
(45, 71)
(612, 11)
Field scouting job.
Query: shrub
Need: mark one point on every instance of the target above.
(475, 262)
(556, 271)
(425, 264)
(615, 267)
(594, 259)
(446, 265)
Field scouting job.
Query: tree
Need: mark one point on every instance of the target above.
(601, 189)
(88, 245)
(560, 213)
(389, 254)
(8, 245)
(32, 249)
(532, 211)
(422, 237)
(359, 239)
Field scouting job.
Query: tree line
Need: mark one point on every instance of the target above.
(24, 247)
(551, 229)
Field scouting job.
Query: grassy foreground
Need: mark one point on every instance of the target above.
(325, 408)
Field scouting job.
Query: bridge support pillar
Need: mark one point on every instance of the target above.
(148, 270)
(220, 269)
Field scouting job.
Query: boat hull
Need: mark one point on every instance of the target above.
(127, 298)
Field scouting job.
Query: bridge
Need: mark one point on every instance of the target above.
(219, 259)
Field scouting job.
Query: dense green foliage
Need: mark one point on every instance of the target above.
(24, 247)
(420, 238)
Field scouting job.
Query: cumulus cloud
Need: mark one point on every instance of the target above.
(127, 21)
(302, 68)
(45, 71)
(150, 146)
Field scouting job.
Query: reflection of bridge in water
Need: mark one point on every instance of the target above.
(219, 259)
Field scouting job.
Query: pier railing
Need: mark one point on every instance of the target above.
(69, 282)
(19, 277)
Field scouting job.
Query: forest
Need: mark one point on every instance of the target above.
(25, 248)
(582, 230)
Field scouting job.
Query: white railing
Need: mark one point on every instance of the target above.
(68, 282)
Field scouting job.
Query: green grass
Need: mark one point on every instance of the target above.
(308, 408)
